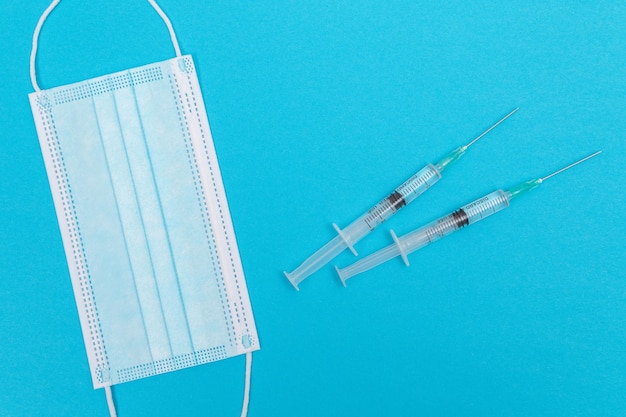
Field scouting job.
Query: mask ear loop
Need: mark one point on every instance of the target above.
(168, 23)
(33, 51)
(110, 401)
(246, 390)
(46, 13)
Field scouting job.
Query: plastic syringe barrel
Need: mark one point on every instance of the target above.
(314, 262)
(466, 215)
(359, 228)
(384, 209)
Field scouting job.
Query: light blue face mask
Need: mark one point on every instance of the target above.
(146, 228)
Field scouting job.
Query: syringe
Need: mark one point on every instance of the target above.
(466, 215)
(400, 197)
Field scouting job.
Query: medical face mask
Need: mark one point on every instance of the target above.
(144, 220)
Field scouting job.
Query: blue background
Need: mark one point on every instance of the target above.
(318, 110)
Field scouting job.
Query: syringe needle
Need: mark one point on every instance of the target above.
(454, 156)
(524, 187)
(491, 128)
(571, 165)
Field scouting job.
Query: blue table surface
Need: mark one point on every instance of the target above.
(318, 110)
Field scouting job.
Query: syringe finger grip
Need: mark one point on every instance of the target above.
(345, 239)
(400, 248)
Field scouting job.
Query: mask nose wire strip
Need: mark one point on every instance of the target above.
(246, 391)
(110, 401)
(46, 13)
